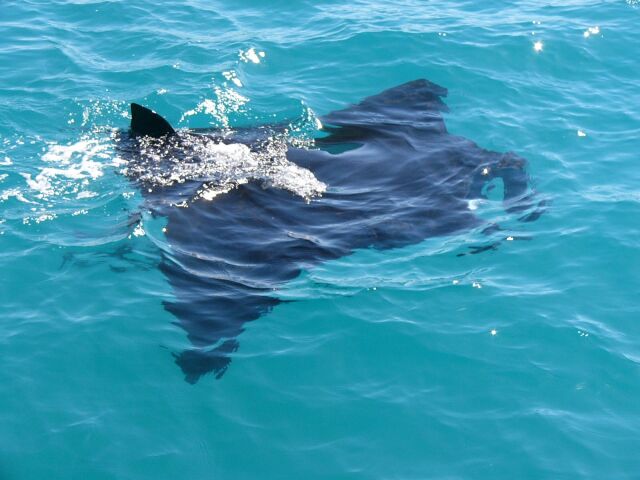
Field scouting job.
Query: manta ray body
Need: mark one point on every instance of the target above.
(385, 174)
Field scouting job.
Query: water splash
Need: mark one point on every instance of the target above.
(218, 165)
(227, 100)
(75, 165)
(251, 55)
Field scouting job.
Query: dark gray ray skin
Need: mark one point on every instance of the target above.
(395, 177)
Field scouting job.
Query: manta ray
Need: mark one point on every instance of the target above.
(383, 173)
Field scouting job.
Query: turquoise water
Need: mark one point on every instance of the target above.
(409, 363)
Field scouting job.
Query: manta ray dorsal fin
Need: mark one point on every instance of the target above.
(146, 122)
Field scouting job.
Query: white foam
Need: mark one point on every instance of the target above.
(220, 166)
(43, 217)
(232, 77)
(75, 164)
(474, 203)
(591, 31)
(227, 101)
(86, 194)
(14, 193)
(139, 231)
(251, 55)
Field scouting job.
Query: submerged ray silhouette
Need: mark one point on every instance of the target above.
(393, 174)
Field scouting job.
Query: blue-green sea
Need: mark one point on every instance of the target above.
(521, 362)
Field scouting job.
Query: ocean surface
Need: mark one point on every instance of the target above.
(408, 363)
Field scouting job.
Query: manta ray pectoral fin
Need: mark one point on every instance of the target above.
(198, 361)
(145, 122)
(417, 103)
